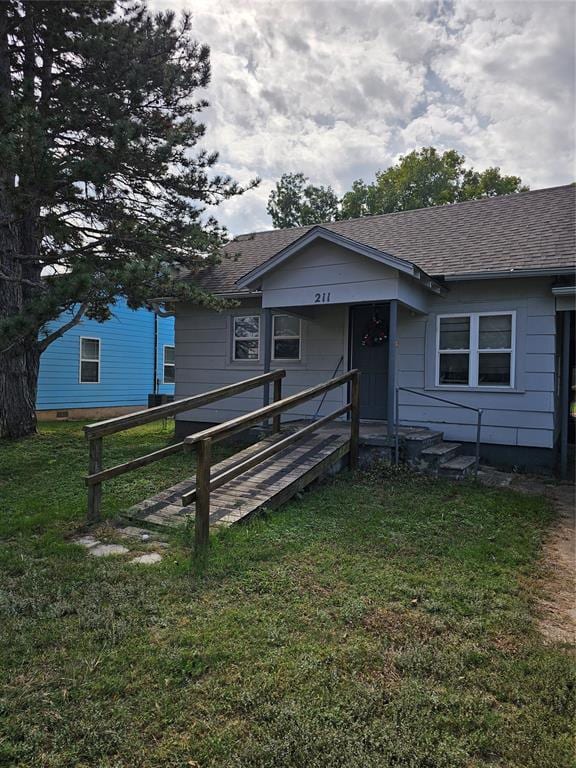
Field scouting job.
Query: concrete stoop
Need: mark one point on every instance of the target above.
(425, 450)
(428, 452)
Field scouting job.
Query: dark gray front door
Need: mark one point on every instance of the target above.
(372, 360)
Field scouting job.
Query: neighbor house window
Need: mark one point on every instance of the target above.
(285, 337)
(476, 350)
(246, 341)
(169, 366)
(89, 361)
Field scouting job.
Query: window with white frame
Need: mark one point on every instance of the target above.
(169, 365)
(476, 350)
(246, 337)
(286, 337)
(89, 360)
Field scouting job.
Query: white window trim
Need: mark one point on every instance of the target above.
(86, 360)
(164, 364)
(299, 337)
(245, 338)
(474, 352)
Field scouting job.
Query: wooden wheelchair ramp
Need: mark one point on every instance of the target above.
(265, 486)
(261, 476)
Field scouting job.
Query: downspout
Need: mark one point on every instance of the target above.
(155, 386)
(564, 394)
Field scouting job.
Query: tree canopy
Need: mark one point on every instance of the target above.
(295, 203)
(420, 179)
(104, 184)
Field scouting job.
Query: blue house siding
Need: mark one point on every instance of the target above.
(126, 362)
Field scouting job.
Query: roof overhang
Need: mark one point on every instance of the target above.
(496, 275)
(252, 280)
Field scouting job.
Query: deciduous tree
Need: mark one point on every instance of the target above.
(295, 203)
(424, 178)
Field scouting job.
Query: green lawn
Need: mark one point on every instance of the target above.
(380, 620)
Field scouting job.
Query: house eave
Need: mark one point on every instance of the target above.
(497, 275)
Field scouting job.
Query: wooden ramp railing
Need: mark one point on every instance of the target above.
(203, 441)
(95, 432)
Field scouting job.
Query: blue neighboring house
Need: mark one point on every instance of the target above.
(104, 369)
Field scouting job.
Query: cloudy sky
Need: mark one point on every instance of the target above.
(338, 90)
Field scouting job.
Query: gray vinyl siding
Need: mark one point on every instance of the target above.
(523, 416)
(566, 303)
(204, 360)
(325, 268)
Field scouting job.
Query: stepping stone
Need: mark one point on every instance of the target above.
(495, 477)
(133, 532)
(86, 541)
(152, 557)
(105, 550)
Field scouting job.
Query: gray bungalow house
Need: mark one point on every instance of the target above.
(471, 303)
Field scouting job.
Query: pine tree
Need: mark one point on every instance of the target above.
(103, 185)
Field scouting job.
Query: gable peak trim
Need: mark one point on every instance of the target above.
(319, 232)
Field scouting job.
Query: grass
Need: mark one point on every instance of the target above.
(380, 620)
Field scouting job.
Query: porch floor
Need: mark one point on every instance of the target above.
(371, 432)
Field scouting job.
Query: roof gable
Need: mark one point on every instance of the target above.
(319, 233)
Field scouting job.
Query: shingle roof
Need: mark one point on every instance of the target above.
(529, 230)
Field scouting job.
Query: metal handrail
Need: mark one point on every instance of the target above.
(325, 393)
(478, 412)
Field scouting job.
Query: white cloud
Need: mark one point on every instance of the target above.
(339, 88)
(512, 66)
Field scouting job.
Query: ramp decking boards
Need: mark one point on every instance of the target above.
(266, 486)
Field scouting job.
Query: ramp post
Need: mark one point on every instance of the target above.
(202, 522)
(95, 490)
(277, 398)
(354, 419)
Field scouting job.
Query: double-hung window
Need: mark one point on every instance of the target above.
(476, 350)
(169, 365)
(246, 337)
(89, 360)
(285, 337)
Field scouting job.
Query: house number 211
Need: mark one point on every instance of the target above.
(321, 298)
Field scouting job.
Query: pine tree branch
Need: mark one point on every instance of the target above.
(64, 328)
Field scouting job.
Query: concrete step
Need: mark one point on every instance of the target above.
(457, 468)
(413, 444)
(423, 436)
(440, 453)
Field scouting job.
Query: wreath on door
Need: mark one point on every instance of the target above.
(374, 333)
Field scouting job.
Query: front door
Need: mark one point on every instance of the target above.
(369, 353)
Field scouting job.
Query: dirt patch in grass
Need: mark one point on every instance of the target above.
(556, 582)
(557, 607)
